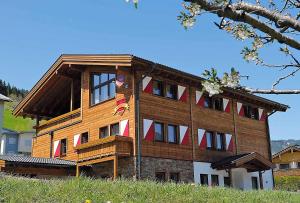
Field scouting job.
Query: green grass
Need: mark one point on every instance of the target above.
(15, 123)
(82, 189)
(290, 183)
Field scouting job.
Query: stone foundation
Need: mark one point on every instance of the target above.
(149, 166)
(106, 169)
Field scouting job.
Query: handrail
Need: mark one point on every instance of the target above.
(59, 118)
(103, 141)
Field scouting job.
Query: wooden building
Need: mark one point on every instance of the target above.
(287, 161)
(121, 115)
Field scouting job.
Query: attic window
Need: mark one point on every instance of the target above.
(102, 87)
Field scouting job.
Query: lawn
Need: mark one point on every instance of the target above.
(15, 123)
(82, 189)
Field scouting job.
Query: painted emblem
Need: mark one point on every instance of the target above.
(121, 107)
(120, 80)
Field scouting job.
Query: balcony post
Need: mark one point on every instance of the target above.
(115, 167)
(77, 171)
(72, 96)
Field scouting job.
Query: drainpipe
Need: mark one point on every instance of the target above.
(51, 143)
(269, 140)
(137, 110)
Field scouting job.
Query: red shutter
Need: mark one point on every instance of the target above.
(124, 128)
(202, 139)
(147, 85)
(262, 114)
(148, 129)
(56, 147)
(182, 93)
(77, 140)
(229, 142)
(226, 105)
(200, 98)
(240, 109)
(184, 134)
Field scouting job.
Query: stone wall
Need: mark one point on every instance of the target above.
(149, 166)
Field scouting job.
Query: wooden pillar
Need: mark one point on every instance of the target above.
(72, 96)
(115, 167)
(261, 185)
(77, 171)
(230, 177)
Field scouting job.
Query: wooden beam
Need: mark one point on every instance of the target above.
(77, 170)
(72, 95)
(115, 167)
(261, 184)
(230, 177)
(95, 161)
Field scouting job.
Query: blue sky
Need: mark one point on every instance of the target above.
(34, 33)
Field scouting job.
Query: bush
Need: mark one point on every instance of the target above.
(289, 183)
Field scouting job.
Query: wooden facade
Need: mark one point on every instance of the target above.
(66, 112)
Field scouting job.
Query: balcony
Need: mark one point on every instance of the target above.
(59, 122)
(102, 149)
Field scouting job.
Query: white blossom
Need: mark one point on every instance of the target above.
(211, 87)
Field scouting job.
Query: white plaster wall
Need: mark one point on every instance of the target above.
(2, 144)
(241, 179)
(25, 138)
(204, 168)
(293, 164)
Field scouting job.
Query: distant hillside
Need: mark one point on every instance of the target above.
(10, 121)
(278, 145)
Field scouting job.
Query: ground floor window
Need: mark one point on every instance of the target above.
(84, 137)
(254, 183)
(214, 180)
(63, 145)
(227, 181)
(160, 176)
(174, 177)
(103, 132)
(284, 166)
(114, 129)
(204, 179)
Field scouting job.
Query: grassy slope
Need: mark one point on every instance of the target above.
(15, 123)
(79, 190)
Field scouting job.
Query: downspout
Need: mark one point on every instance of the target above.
(137, 110)
(269, 140)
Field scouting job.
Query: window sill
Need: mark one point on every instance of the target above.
(102, 102)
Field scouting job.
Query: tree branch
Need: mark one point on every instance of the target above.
(270, 91)
(236, 15)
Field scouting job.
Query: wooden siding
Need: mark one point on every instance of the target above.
(287, 157)
(92, 117)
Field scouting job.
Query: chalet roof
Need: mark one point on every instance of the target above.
(287, 149)
(4, 98)
(77, 62)
(250, 161)
(36, 160)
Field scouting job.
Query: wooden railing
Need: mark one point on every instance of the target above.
(59, 121)
(113, 145)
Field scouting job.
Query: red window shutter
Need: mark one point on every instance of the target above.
(240, 109)
(262, 114)
(147, 84)
(200, 98)
(182, 93)
(77, 140)
(229, 142)
(226, 105)
(149, 132)
(184, 134)
(56, 147)
(124, 128)
(202, 139)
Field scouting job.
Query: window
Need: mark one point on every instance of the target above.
(220, 141)
(158, 88)
(84, 137)
(63, 147)
(28, 143)
(114, 129)
(218, 104)
(159, 132)
(12, 140)
(102, 87)
(284, 166)
(227, 182)
(171, 91)
(209, 139)
(208, 102)
(251, 112)
(103, 132)
(172, 134)
(160, 176)
(298, 165)
(254, 183)
(214, 180)
(174, 177)
(204, 179)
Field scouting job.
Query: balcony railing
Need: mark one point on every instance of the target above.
(59, 121)
(113, 145)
